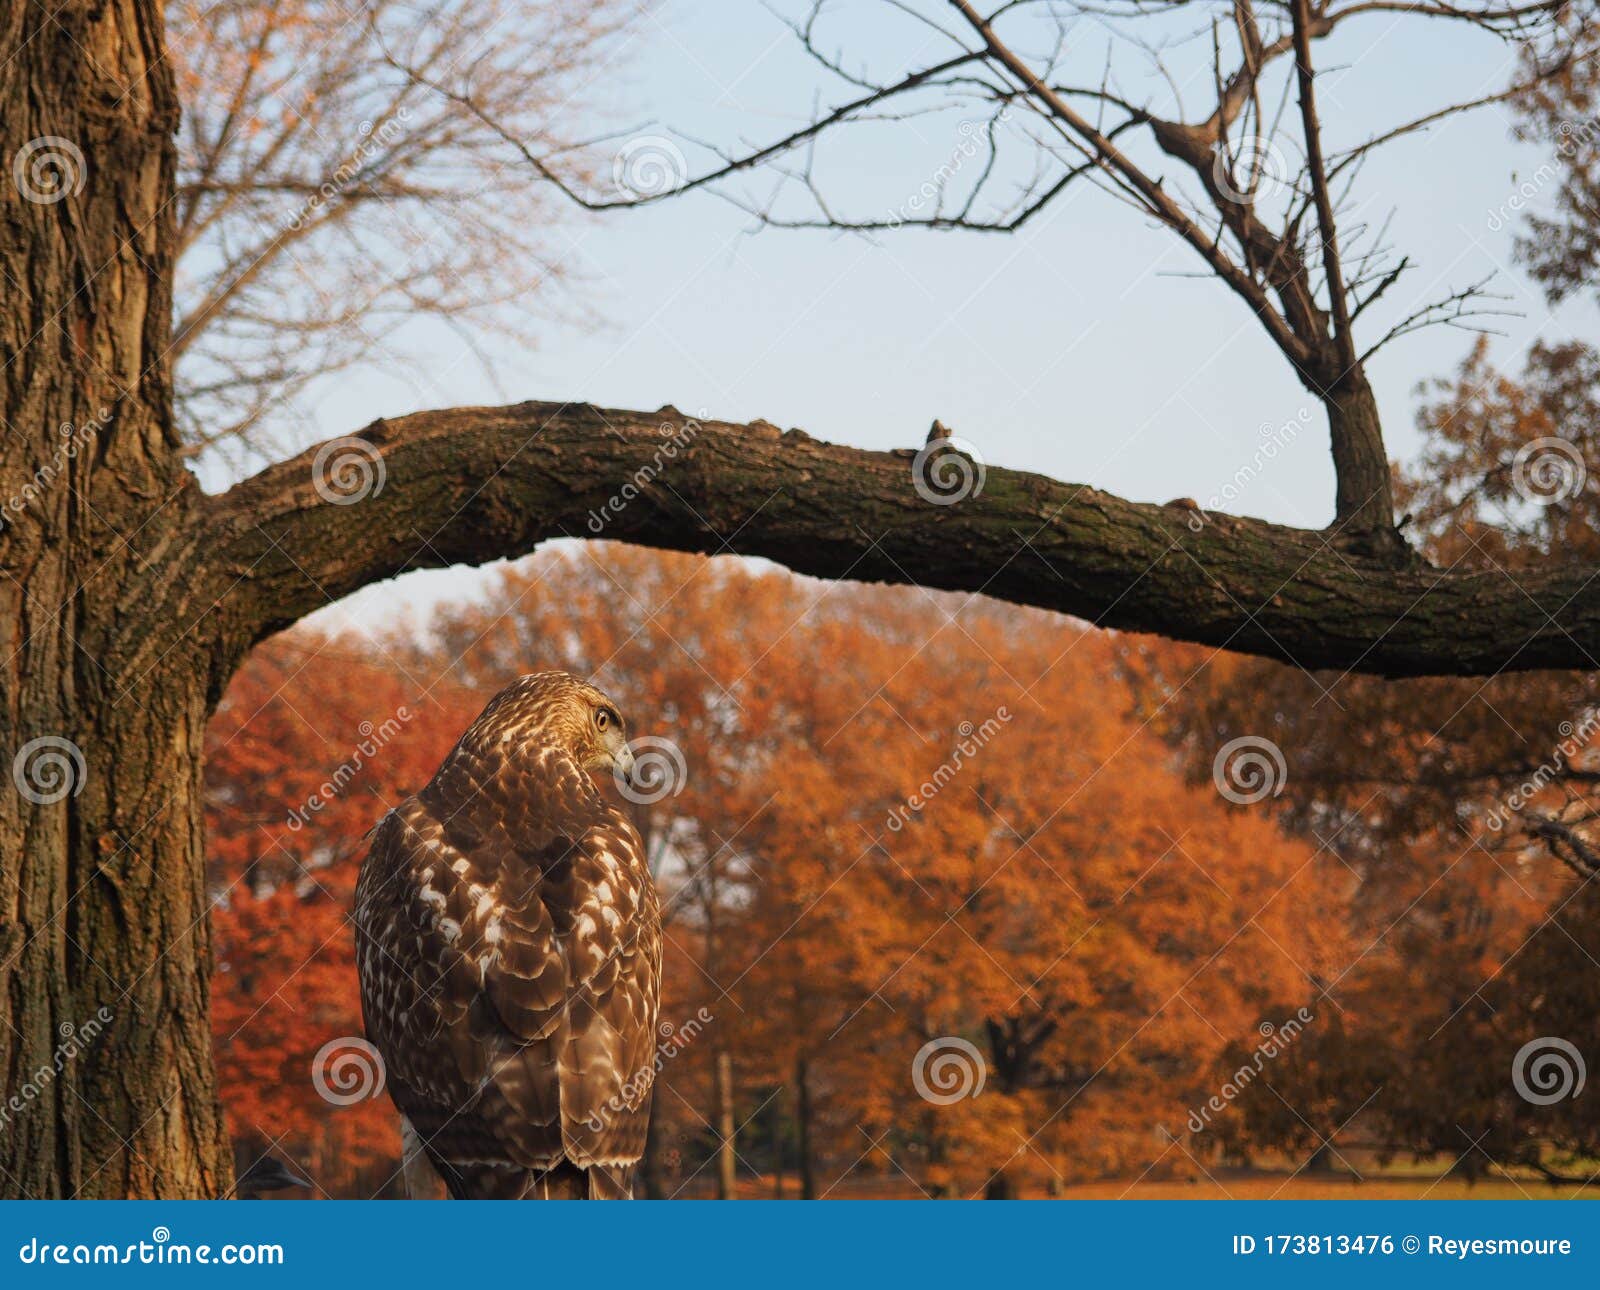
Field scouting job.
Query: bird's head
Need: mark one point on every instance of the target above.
(559, 708)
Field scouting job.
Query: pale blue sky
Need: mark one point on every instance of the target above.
(1068, 349)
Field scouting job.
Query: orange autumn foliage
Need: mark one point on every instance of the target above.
(905, 819)
(312, 743)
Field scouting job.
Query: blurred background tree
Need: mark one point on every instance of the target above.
(317, 141)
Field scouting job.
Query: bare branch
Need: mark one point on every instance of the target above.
(1312, 129)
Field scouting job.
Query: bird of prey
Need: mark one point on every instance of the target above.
(508, 940)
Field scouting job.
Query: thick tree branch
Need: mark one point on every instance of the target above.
(476, 484)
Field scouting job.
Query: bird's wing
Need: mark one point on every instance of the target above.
(513, 993)
(603, 901)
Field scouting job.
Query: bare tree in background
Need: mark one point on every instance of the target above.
(1043, 97)
(321, 149)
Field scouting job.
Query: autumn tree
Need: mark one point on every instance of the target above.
(315, 739)
(1090, 928)
(132, 596)
(310, 149)
(1465, 811)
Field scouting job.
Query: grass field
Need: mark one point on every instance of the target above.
(1394, 1182)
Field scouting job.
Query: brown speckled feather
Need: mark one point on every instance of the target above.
(509, 947)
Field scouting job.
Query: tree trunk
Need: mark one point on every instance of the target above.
(802, 1115)
(108, 950)
(777, 1151)
(104, 956)
(726, 1127)
(1364, 503)
(999, 1187)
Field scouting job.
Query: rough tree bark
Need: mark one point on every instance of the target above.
(102, 907)
(127, 597)
(473, 484)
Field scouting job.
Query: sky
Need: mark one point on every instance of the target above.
(1083, 347)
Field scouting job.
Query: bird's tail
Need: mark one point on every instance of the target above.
(569, 1182)
(564, 1182)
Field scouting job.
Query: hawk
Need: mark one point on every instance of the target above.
(508, 941)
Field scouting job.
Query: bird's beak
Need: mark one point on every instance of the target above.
(622, 760)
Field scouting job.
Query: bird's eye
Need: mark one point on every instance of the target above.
(602, 719)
